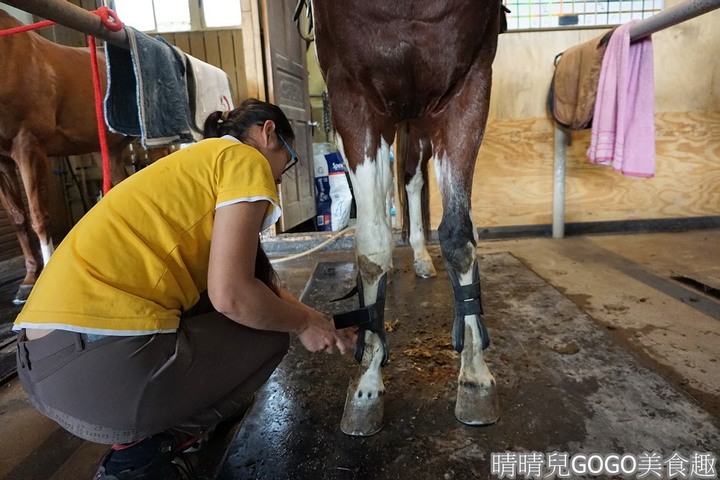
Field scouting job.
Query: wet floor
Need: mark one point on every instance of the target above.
(565, 385)
(595, 348)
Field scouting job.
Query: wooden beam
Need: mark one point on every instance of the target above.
(72, 16)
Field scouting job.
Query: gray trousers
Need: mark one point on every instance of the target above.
(122, 389)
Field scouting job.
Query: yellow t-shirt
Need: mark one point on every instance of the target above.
(140, 257)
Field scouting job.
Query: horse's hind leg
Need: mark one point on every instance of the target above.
(456, 141)
(11, 199)
(365, 144)
(34, 171)
(417, 150)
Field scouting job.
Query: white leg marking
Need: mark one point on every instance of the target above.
(372, 181)
(424, 267)
(476, 235)
(47, 250)
(473, 367)
(477, 400)
(444, 178)
(370, 383)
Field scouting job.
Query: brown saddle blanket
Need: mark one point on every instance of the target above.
(571, 100)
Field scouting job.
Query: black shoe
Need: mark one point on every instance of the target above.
(149, 459)
(197, 443)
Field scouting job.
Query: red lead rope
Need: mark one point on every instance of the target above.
(111, 22)
(25, 28)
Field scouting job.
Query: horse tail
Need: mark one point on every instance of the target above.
(412, 148)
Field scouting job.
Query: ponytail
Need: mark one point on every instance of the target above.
(251, 112)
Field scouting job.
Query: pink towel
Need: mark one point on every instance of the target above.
(623, 128)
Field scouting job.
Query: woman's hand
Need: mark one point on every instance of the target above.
(320, 335)
(349, 338)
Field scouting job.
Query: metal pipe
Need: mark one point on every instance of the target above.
(558, 217)
(672, 16)
(71, 16)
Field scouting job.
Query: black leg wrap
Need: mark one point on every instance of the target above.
(365, 318)
(467, 302)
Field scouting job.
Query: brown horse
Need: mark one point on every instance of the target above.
(47, 110)
(425, 67)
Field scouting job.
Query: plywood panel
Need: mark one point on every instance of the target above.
(686, 66)
(523, 68)
(686, 184)
(513, 176)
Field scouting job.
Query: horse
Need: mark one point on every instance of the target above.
(47, 111)
(423, 70)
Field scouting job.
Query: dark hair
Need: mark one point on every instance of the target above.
(237, 122)
(264, 270)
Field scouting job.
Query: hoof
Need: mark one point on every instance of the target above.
(425, 269)
(477, 404)
(22, 294)
(363, 416)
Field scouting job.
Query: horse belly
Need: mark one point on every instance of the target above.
(407, 67)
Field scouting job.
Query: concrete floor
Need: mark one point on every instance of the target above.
(595, 348)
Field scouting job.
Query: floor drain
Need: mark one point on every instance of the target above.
(699, 286)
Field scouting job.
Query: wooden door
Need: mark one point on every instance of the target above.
(287, 77)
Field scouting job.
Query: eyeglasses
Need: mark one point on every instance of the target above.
(293, 156)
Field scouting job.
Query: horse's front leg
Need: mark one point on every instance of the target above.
(456, 151)
(477, 399)
(11, 198)
(371, 179)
